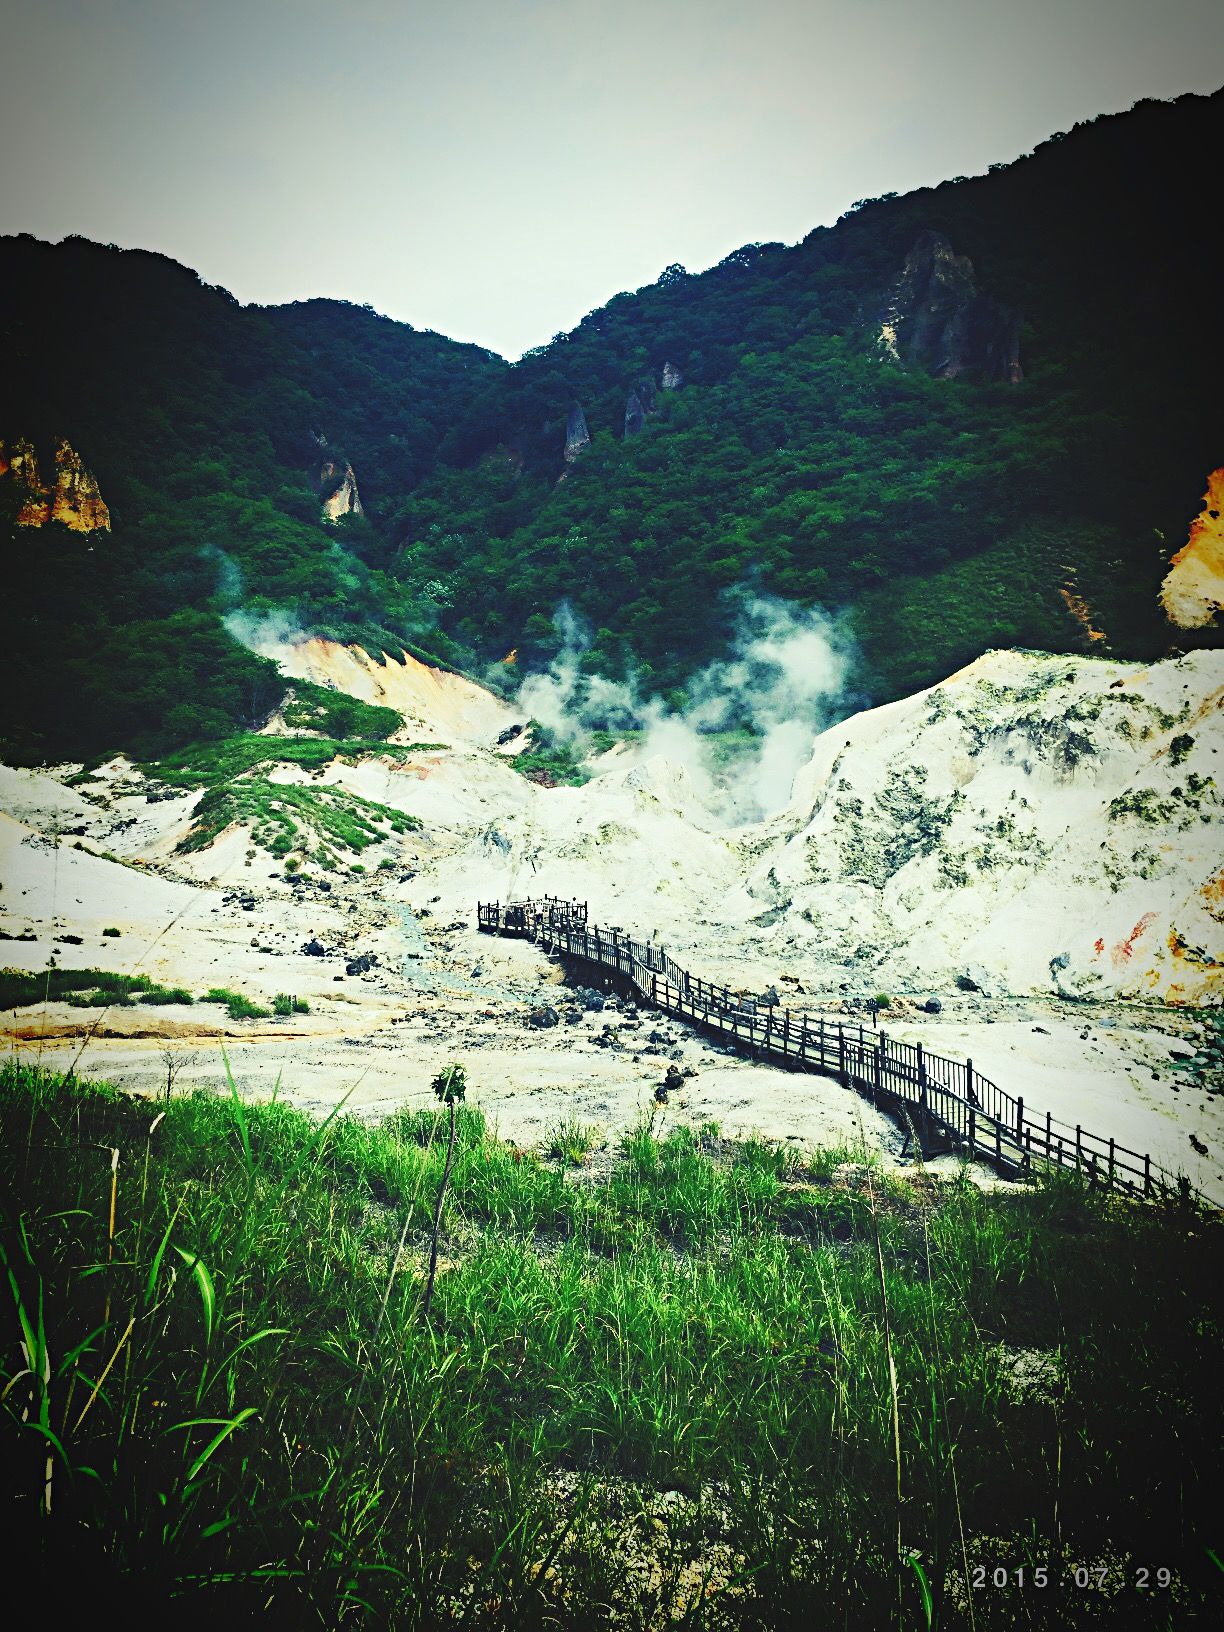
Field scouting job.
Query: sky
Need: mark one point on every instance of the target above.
(494, 169)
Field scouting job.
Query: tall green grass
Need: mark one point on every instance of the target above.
(218, 1396)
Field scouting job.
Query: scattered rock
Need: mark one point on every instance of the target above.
(543, 1016)
(975, 979)
(314, 949)
(932, 1006)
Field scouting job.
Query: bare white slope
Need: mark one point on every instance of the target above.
(442, 706)
(1053, 821)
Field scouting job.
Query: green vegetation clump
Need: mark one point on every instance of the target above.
(206, 764)
(550, 761)
(83, 988)
(572, 1141)
(284, 817)
(308, 707)
(285, 1004)
(787, 1360)
(237, 1006)
(111, 934)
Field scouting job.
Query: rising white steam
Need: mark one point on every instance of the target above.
(267, 634)
(785, 679)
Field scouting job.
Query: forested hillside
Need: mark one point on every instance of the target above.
(978, 415)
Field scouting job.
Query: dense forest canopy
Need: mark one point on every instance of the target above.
(746, 427)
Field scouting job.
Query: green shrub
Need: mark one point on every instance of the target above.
(336, 714)
(238, 1006)
(112, 934)
(572, 1141)
(83, 988)
(284, 1004)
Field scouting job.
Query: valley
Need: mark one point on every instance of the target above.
(980, 851)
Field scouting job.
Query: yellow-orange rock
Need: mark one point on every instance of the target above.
(21, 463)
(76, 501)
(1193, 592)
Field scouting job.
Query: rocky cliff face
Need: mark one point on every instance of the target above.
(937, 320)
(1193, 593)
(338, 486)
(577, 437)
(671, 378)
(639, 405)
(75, 501)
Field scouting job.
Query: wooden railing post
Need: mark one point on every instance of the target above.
(841, 1054)
(1078, 1150)
(1020, 1118)
(922, 1078)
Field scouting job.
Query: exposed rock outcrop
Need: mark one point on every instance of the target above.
(577, 437)
(75, 501)
(671, 378)
(937, 320)
(1193, 592)
(338, 487)
(639, 405)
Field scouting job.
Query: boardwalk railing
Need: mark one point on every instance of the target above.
(943, 1104)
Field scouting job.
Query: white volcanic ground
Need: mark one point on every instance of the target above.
(1048, 828)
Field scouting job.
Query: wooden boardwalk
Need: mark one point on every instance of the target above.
(942, 1104)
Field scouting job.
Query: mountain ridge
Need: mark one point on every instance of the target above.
(938, 516)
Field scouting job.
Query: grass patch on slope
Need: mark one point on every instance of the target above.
(83, 988)
(549, 761)
(284, 817)
(217, 1393)
(206, 764)
(307, 707)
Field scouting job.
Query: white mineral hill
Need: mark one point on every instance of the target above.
(1054, 822)
(1040, 824)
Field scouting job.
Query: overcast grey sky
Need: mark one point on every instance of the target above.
(494, 169)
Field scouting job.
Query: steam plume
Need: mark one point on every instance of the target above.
(785, 679)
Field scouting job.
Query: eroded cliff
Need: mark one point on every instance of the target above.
(75, 500)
